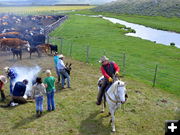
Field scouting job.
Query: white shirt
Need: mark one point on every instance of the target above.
(60, 64)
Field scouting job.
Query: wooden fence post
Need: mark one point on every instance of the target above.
(124, 64)
(71, 49)
(47, 39)
(87, 54)
(155, 74)
(61, 45)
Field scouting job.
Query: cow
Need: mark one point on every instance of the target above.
(14, 43)
(54, 48)
(33, 50)
(44, 48)
(17, 52)
(10, 35)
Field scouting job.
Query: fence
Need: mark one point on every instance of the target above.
(151, 73)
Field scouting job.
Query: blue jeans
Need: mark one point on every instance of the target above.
(64, 75)
(50, 101)
(11, 86)
(39, 103)
(58, 74)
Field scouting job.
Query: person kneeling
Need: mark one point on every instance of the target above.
(19, 91)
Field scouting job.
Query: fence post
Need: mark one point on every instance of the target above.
(71, 49)
(48, 39)
(104, 52)
(124, 64)
(61, 45)
(87, 54)
(155, 74)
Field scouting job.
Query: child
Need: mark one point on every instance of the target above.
(49, 82)
(38, 91)
(2, 82)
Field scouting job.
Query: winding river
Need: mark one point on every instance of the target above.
(154, 35)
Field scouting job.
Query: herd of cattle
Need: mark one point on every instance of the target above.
(19, 33)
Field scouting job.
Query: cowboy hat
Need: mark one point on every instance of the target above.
(3, 79)
(61, 56)
(103, 58)
(6, 69)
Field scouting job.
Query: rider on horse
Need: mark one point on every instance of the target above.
(108, 69)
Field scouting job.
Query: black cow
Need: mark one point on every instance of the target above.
(54, 48)
(34, 50)
(17, 52)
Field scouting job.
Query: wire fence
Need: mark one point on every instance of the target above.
(151, 73)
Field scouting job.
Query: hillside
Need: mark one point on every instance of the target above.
(76, 112)
(167, 8)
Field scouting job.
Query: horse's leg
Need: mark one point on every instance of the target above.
(102, 107)
(112, 110)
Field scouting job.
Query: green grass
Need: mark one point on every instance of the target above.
(158, 22)
(103, 37)
(77, 114)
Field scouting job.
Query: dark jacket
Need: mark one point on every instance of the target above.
(19, 89)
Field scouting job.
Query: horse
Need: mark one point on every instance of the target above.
(115, 97)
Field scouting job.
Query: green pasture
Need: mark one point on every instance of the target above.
(98, 37)
(158, 22)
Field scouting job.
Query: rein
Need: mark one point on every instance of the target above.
(114, 101)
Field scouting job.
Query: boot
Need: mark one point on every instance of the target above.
(3, 97)
(40, 114)
(58, 79)
(37, 113)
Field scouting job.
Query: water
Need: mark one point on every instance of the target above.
(159, 36)
(154, 35)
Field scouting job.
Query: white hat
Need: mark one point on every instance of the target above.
(48, 71)
(6, 69)
(61, 56)
(103, 58)
(3, 79)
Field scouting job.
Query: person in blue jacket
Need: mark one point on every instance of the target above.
(11, 74)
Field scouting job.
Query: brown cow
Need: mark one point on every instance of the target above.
(13, 43)
(9, 33)
(44, 48)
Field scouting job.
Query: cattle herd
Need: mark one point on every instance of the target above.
(26, 33)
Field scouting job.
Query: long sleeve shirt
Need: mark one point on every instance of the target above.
(116, 68)
(60, 64)
(38, 90)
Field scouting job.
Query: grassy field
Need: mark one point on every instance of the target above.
(76, 113)
(106, 38)
(41, 9)
(158, 22)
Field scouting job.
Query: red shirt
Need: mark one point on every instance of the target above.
(116, 68)
(1, 85)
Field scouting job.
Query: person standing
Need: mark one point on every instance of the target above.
(38, 92)
(49, 83)
(62, 69)
(56, 58)
(2, 82)
(11, 74)
(108, 69)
